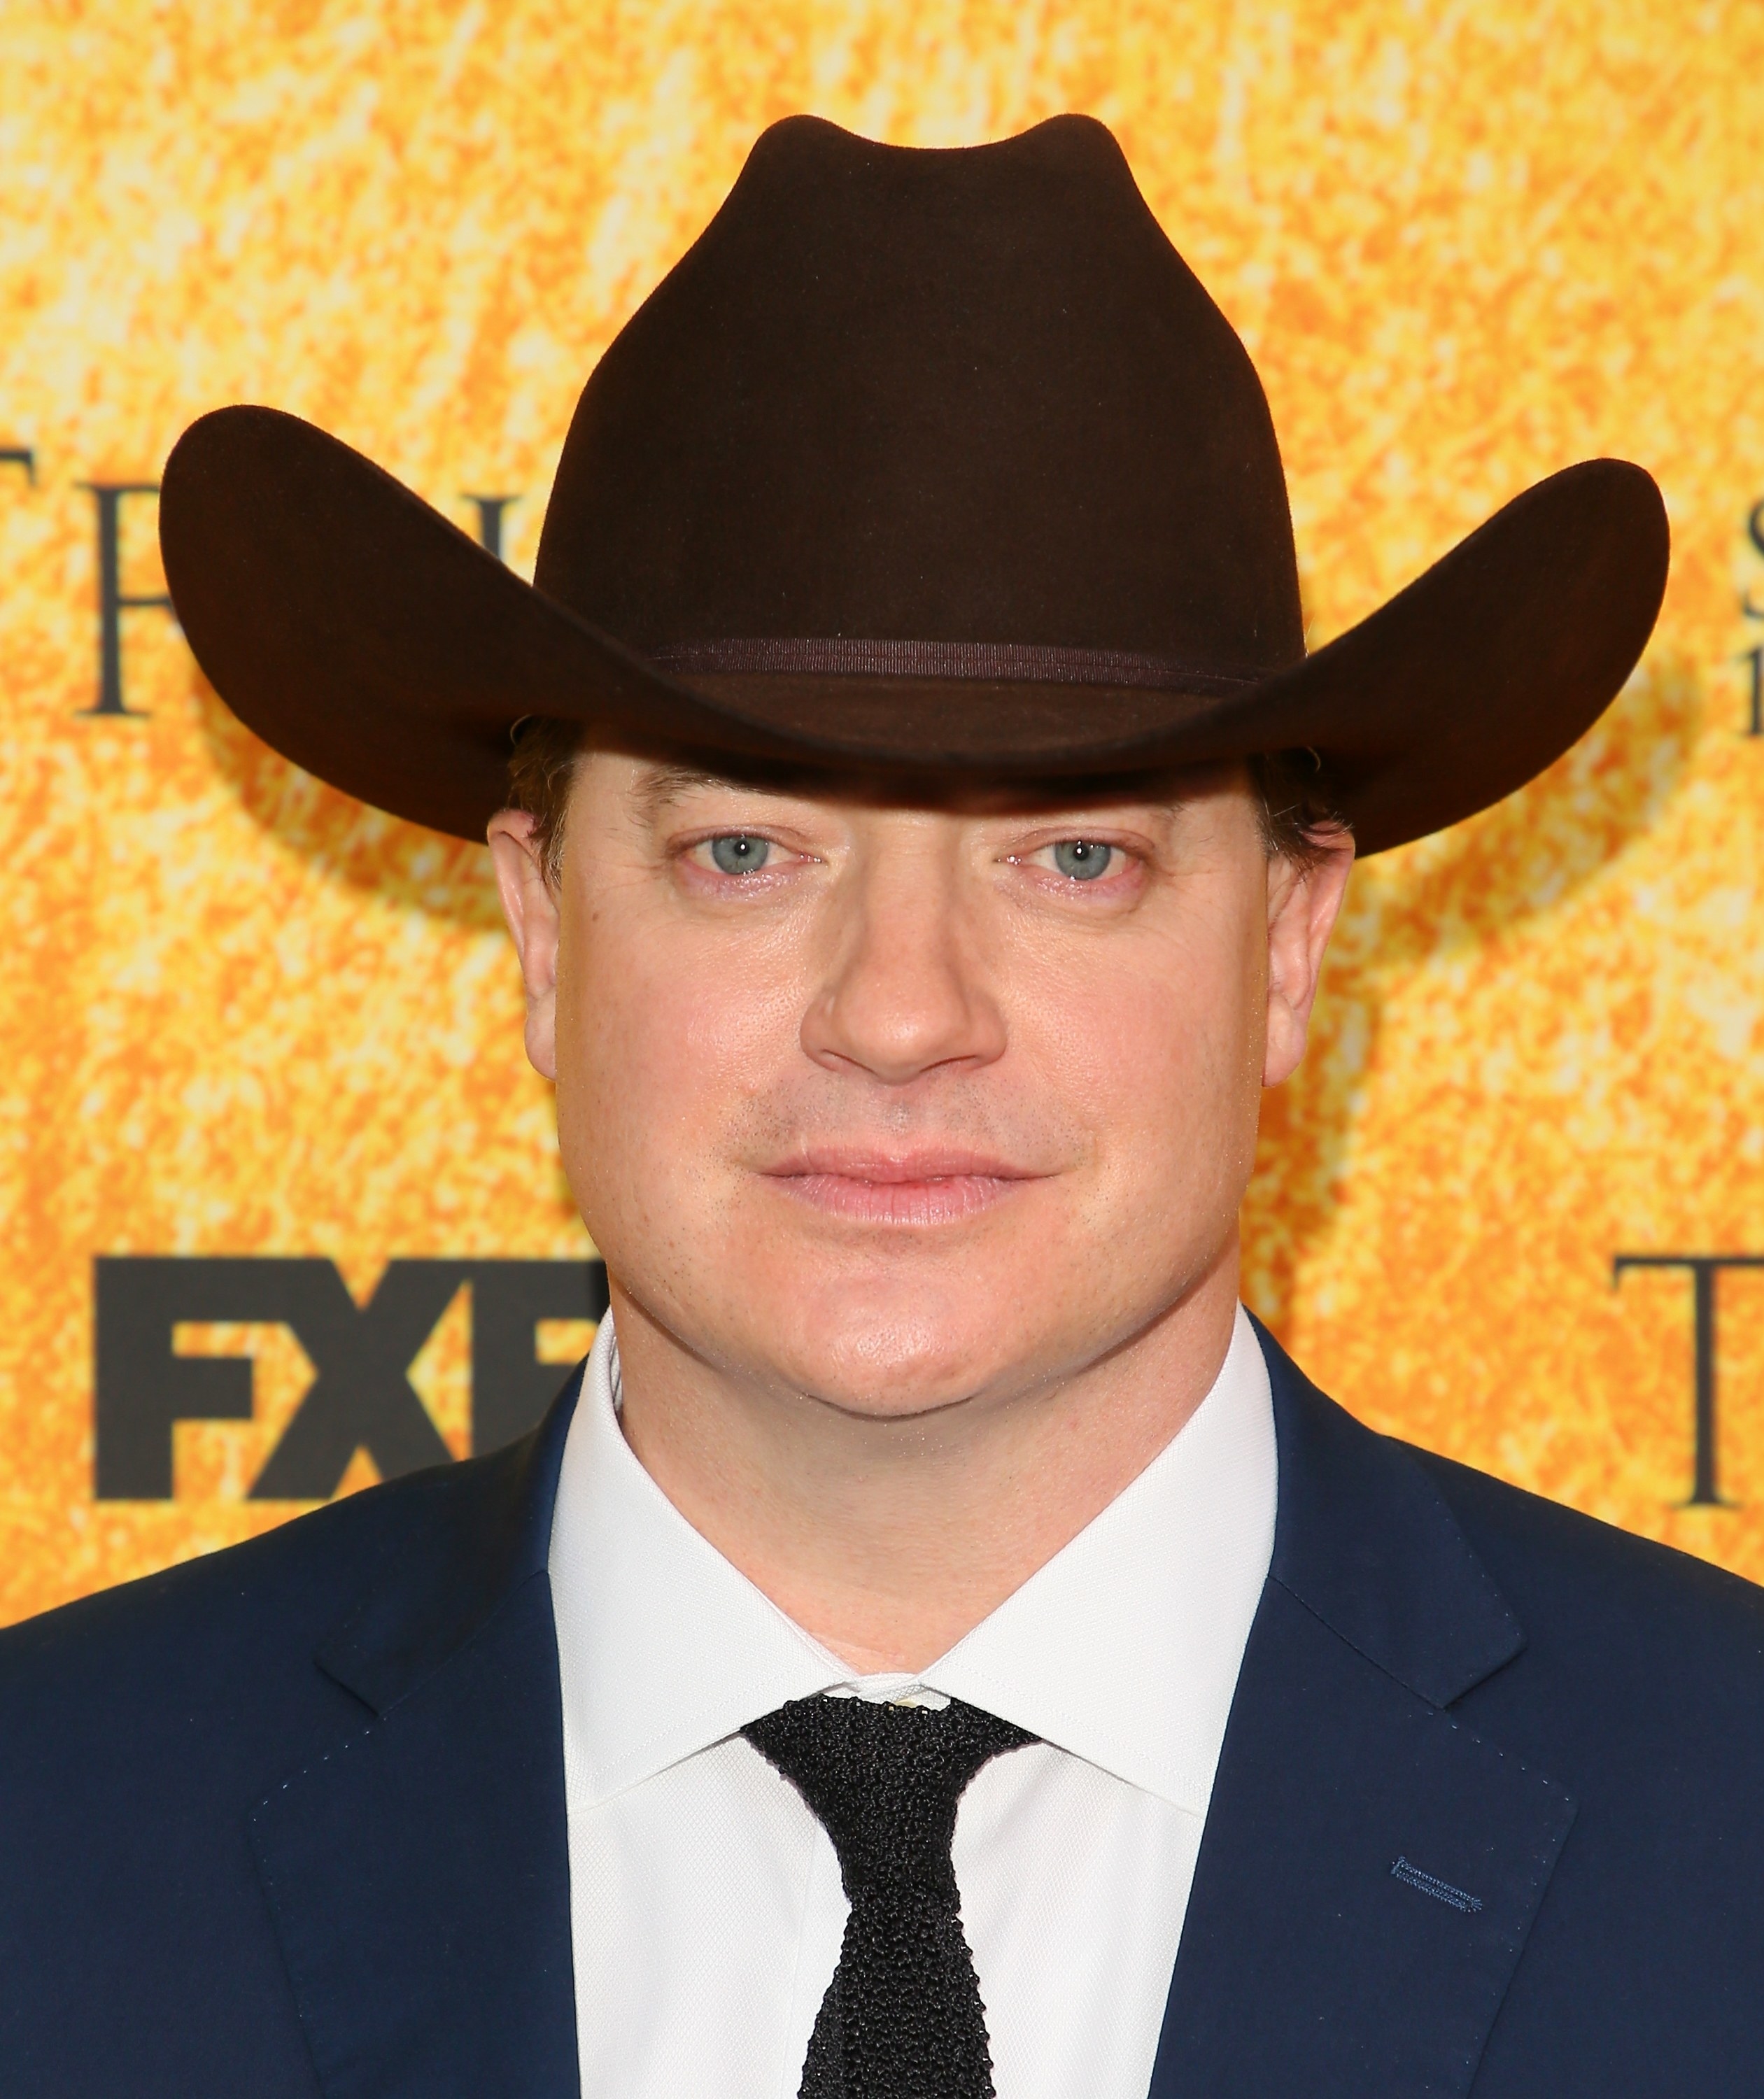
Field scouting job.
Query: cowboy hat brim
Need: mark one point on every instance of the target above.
(366, 638)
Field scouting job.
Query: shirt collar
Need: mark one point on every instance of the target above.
(1123, 1649)
(663, 1645)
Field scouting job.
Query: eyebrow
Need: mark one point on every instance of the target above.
(661, 784)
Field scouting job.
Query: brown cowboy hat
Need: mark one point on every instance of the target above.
(940, 463)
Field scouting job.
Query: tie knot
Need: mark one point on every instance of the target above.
(884, 1781)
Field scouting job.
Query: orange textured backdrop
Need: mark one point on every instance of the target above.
(1465, 245)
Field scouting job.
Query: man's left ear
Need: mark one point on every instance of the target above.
(1303, 902)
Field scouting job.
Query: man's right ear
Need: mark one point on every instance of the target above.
(530, 905)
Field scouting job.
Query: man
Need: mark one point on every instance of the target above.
(938, 1644)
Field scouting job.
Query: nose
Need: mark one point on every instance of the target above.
(904, 993)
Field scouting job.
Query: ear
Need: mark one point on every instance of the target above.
(530, 905)
(1303, 902)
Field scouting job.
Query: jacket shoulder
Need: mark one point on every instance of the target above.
(1642, 1664)
(235, 1615)
(141, 1729)
(1556, 1559)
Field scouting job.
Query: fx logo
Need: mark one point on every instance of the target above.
(361, 1397)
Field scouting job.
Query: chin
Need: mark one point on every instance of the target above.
(886, 1351)
(910, 1384)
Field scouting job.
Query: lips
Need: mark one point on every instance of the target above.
(925, 1186)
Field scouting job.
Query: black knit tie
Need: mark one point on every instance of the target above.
(902, 2017)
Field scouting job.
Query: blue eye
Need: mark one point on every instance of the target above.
(739, 854)
(1082, 860)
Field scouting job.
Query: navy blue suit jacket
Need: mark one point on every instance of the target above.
(289, 1820)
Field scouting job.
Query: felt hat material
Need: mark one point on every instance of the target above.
(933, 463)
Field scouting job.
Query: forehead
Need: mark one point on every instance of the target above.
(653, 788)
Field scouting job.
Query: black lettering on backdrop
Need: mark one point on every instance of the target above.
(1754, 525)
(21, 456)
(1703, 1268)
(361, 1395)
(1755, 657)
(511, 1387)
(489, 516)
(113, 602)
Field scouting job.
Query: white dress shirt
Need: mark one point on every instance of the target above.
(706, 1903)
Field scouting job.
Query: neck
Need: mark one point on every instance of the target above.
(887, 1538)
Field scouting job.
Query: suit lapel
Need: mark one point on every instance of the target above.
(418, 1874)
(1369, 1869)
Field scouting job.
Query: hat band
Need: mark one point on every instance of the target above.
(1007, 662)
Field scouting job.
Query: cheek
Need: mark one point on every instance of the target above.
(666, 1038)
(1164, 1065)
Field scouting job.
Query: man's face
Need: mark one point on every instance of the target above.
(902, 1105)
